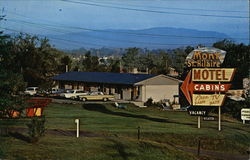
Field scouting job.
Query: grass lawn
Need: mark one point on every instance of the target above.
(118, 134)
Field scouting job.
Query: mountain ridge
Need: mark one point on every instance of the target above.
(151, 38)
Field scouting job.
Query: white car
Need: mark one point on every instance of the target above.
(73, 94)
(57, 90)
(31, 91)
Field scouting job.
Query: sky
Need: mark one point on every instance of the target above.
(44, 17)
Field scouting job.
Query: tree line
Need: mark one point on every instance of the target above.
(34, 61)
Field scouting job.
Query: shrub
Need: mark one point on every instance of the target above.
(36, 128)
(234, 107)
(149, 102)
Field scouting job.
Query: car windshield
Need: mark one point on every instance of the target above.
(93, 93)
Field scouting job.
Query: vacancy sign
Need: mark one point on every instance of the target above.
(212, 74)
(208, 99)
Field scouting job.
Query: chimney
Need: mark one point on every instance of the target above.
(66, 68)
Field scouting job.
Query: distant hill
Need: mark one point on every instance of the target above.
(152, 38)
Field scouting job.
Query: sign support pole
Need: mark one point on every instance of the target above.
(219, 117)
(199, 121)
(243, 121)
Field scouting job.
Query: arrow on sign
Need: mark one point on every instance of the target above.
(186, 88)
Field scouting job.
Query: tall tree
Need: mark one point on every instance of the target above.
(35, 59)
(179, 59)
(90, 63)
(10, 82)
(66, 62)
(130, 58)
(237, 57)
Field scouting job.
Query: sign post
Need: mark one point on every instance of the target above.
(219, 116)
(199, 121)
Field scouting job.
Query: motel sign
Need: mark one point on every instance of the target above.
(206, 83)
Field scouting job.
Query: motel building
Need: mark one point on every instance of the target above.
(124, 86)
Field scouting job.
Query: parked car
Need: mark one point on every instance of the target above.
(55, 92)
(96, 96)
(31, 91)
(42, 93)
(73, 94)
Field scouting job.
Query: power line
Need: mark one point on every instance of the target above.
(152, 11)
(77, 42)
(136, 33)
(80, 43)
(115, 40)
(174, 8)
(71, 41)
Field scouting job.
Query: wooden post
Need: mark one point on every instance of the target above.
(219, 112)
(248, 152)
(138, 132)
(199, 147)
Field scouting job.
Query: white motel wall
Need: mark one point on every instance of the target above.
(158, 88)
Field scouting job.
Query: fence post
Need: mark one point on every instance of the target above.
(199, 147)
(138, 132)
(248, 153)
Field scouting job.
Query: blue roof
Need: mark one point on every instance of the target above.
(103, 77)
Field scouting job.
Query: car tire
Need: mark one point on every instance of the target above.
(84, 99)
(105, 99)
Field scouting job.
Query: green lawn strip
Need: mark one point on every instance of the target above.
(162, 126)
(61, 147)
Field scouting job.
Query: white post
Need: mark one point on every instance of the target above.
(244, 122)
(77, 127)
(199, 121)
